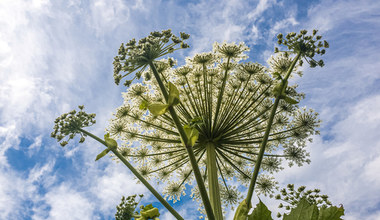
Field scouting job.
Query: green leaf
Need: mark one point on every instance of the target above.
(242, 211)
(102, 154)
(277, 75)
(192, 135)
(173, 95)
(196, 121)
(147, 207)
(143, 105)
(290, 100)
(261, 212)
(158, 109)
(149, 212)
(331, 213)
(111, 143)
(303, 211)
(277, 89)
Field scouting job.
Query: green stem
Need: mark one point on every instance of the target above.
(267, 131)
(138, 175)
(213, 184)
(193, 161)
(220, 96)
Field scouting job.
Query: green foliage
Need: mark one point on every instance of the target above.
(242, 211)
(173, 95)
(111, 144)
(331, 213)
(280, 90)
(291, 197)
(307, 211)
(126, 209)
(192, 135)
(303, 211)
(158, 109)
(149, 212)
(261, 212)
(102, 154)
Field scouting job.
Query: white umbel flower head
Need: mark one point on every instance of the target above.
(228, 102)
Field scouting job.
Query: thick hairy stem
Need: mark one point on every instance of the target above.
(193, 161)
(267, 131)
(213, 184)
(138, 175)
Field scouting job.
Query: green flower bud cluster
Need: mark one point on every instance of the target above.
(126, 209)
(136, 56)
(306, 45)
(69, 124)
(292, 197)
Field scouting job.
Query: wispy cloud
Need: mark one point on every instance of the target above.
(345, 165)
(261, 6)
(105, 16)
(346, 95)
(54, 56)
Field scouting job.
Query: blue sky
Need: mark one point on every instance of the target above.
(56, 55)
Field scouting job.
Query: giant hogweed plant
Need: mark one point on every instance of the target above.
(208, 124)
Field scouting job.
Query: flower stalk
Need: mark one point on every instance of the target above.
(137, 174)
(220, 96)
(267, 130)
(189, 149)
(213, 183)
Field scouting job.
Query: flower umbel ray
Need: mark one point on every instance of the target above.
(228, 102)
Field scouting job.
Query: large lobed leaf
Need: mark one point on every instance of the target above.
(307, 211)
(303, 211)
(261, 212)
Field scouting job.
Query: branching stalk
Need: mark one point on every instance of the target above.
(267, 131)
(138, 175)
(193, 161)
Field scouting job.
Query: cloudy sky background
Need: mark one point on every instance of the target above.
(56, 55)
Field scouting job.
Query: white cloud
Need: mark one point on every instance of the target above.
(52, 61)
(347, 164)
(66, 203)
(113, 184)
(15, 189)
(221, 21)
(37, 63)
(24, 95)
(36, 144)
(260, 8)
(9, 193)
(42, 174)
(107, 15)
(328, 14)
(283, 24)
(371, 171)
(255, 34)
